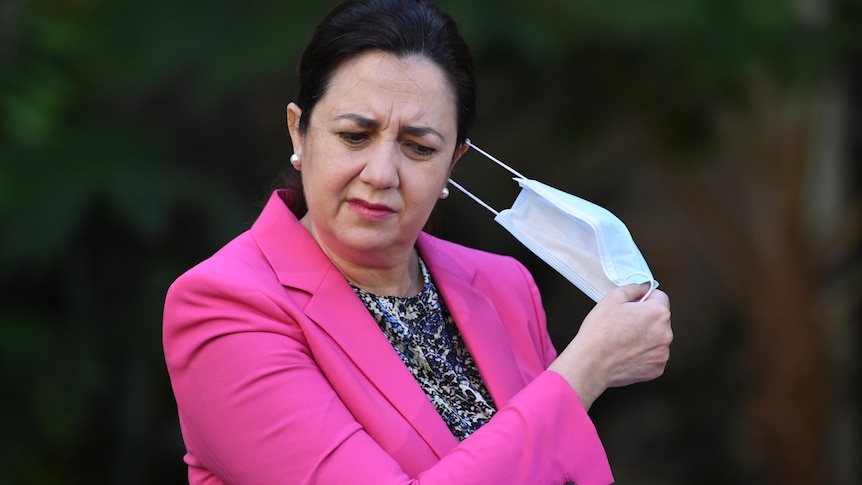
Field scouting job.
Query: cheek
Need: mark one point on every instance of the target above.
(317, 184)
(425, 190)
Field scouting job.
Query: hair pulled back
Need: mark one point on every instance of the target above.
(398, 27)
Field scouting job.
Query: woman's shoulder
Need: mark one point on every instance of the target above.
(237, 262)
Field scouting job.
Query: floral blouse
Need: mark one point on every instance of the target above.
(424, 335)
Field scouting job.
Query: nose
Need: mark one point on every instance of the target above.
(381, 166)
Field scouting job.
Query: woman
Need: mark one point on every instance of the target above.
(335, 342)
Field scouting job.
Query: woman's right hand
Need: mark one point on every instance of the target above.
(620, 342)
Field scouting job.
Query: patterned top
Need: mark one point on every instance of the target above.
(424, 335)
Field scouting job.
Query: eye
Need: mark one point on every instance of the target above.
(353, 139)
(415, 150)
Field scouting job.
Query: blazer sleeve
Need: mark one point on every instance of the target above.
(255, 408)
(545, 344)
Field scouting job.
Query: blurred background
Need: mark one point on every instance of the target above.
(137, 137)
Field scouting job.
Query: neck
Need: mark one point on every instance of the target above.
(393, 272)
(402, 279)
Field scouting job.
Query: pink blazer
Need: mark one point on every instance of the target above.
(281, 375)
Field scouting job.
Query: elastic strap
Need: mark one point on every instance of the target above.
(491, 157)
(653, 284)
(498, 162)
(470, 195)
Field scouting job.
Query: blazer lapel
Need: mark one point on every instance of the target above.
(478, 321)
(334, 307)
(338, 311)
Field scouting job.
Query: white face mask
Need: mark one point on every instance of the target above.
(585, 243)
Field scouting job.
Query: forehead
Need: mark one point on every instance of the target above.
(381, 83)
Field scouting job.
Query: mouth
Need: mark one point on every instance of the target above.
(368, 210)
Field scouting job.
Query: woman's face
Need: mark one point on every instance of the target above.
(378, 151)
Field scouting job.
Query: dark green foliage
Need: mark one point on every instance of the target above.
(138, 137)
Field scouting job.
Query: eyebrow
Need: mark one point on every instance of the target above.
(365, 122)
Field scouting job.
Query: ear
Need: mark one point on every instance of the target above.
(458, 152)
(294, 113)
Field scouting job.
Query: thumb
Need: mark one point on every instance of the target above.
(627, 293)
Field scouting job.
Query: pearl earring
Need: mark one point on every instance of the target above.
(294, 160)
(444, 193)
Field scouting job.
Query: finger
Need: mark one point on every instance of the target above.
(619, 294)
(635, 292)
(660, 297)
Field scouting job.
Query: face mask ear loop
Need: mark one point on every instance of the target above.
(469, 194)
(489, 156)
(653, 284)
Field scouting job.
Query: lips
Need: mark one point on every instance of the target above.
(368, 210)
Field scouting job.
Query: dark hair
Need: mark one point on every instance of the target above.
(399, 27)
